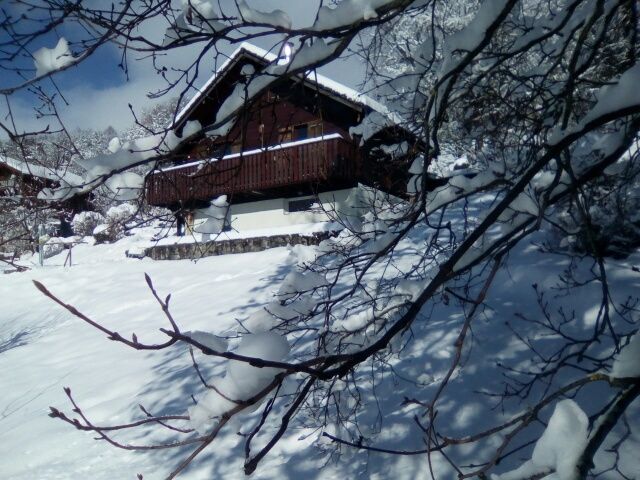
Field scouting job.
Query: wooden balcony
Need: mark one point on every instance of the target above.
(321, 160)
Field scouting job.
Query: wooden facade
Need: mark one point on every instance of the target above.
(20, 179)
(13, 182)
(293, 140)
(325, 161)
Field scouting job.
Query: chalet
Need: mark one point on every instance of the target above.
(23, 181)
(28, 179)
(287, 155)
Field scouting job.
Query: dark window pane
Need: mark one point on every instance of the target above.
(301, 205)
(301, 132)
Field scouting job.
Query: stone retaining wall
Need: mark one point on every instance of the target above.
(225, 247)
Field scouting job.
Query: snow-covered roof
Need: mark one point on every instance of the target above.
(328, 84)
(26, 168)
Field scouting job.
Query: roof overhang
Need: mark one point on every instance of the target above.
(27, 169)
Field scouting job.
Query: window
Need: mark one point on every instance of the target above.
(9, 181)
(315, 129)
(301, 205)
(217, 150)
(301, 132)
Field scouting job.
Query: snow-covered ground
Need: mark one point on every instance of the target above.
(43, 349)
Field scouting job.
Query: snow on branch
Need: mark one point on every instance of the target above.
(275, 18)
(242, 381)
(348, 12)
(50, 59)
(559, 448)
(113, 169)
(612, 101)
(627, 362)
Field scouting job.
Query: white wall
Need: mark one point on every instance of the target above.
(345, 203)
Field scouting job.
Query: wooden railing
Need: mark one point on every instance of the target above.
(326, 159)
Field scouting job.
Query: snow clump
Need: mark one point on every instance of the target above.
(627, 362)
(49, 59)
(346, 12)
(114, 145)
(84, 223)
(209, 340)
(52, 247)
(242, 381)
(560, 446)
(276, 18)
(112, 227)
(201, 8)
(122, 213)
(215, 216)
(124, 186)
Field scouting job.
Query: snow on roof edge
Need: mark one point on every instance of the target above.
(329, 84)
(39, 171)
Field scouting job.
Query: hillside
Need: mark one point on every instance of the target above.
(43, 349)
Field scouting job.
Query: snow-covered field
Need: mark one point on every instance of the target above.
(43, 349)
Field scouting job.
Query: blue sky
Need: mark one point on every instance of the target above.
(97, 93)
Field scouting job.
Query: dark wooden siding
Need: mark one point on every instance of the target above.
(328, 164)
(325, 161)
(273, 114)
